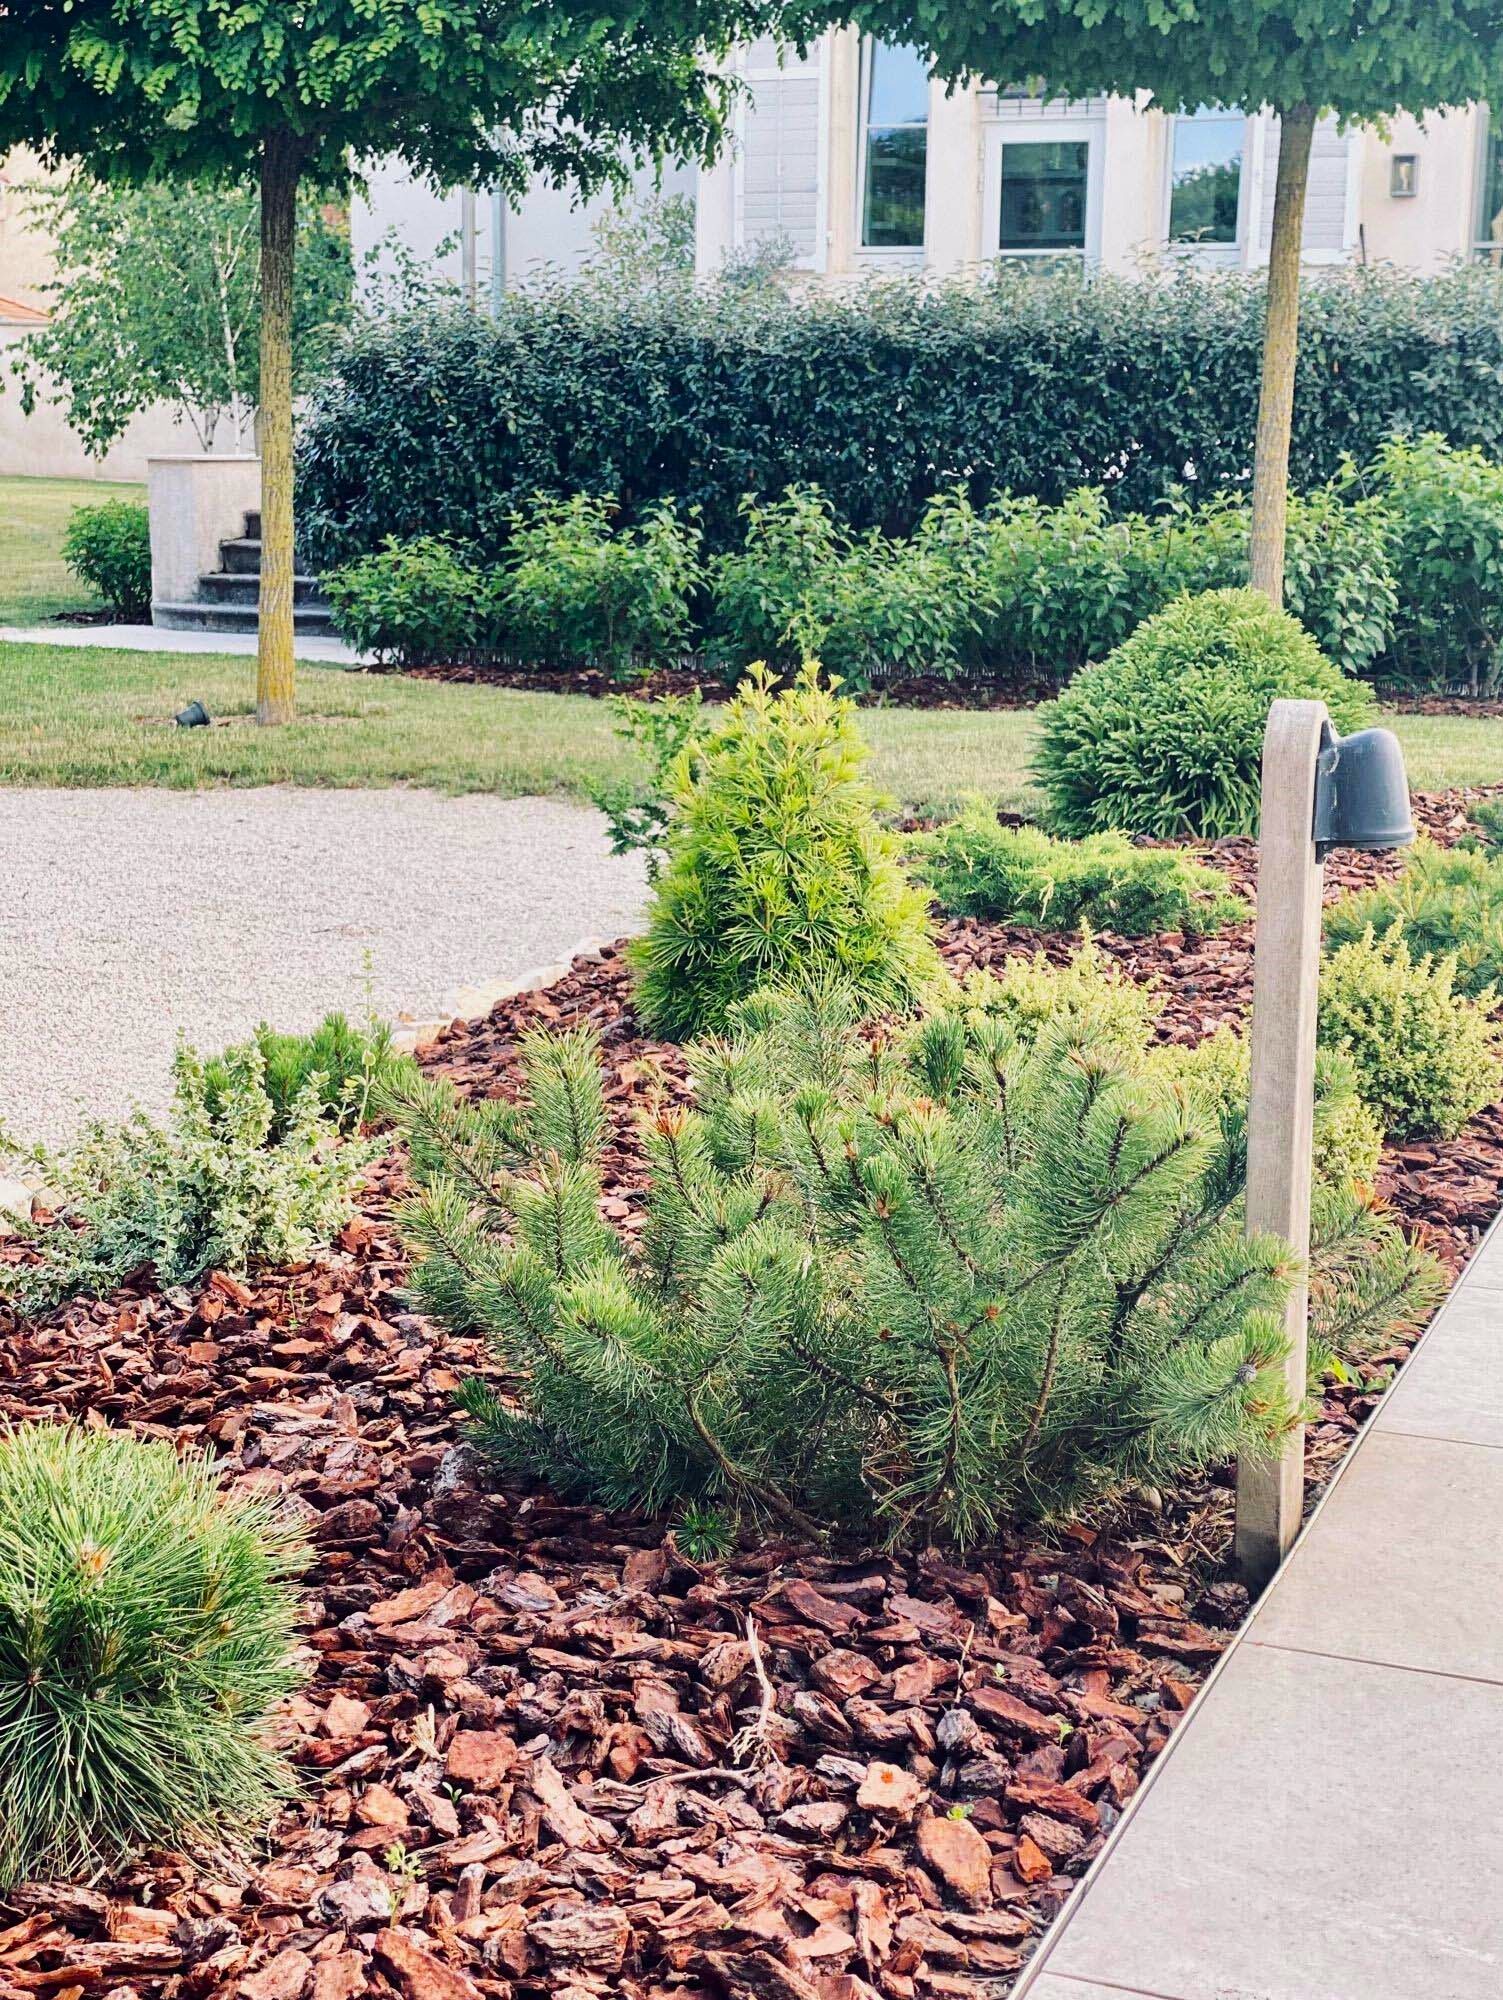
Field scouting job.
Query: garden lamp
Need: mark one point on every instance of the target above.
(194, 716)
(1320, 791)
(1361, 792)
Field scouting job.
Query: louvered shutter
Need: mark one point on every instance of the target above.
(1326, 206)
(778, 163)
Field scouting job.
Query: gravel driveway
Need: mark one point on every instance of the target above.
(129, 916)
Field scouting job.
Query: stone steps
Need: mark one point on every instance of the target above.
(227, 597)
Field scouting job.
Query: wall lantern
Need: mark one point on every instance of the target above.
(1320, 791)
(1361, 792)
(1403, 176)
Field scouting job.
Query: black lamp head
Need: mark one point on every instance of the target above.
(1361, 792)
(194, 716)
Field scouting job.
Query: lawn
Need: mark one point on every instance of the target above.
(87, 716)
(34, 584)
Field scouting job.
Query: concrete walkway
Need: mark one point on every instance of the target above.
(158, 639)
(1328, 1824)
(130, 917)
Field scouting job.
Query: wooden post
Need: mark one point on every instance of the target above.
(1281, 1104)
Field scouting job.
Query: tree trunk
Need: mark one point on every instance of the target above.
(281, 164)
(1270, 498)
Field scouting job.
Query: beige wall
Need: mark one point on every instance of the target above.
(1429, 229)
(1421, 234)
(41, 445)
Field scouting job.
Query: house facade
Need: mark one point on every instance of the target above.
(858, 162)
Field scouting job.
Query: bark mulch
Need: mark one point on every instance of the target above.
(913, 691)
(546, 1753)
(917, 691)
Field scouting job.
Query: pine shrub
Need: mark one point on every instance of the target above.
(912, 1282)
(976, 867)
(1165, 737)
(1447, 902)
(777, 871)
(145, 1636)
(229, 1182)
(1427, 1058)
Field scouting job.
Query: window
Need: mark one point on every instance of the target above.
(894, 146)
(1205, 177)
(1044, 195)
(1488, 243)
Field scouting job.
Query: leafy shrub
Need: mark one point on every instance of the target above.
(351, 1068)
(1448, 902)
(800, 587)
(918, 1283)
(977, 867)
(579, 591)
(1427, 1058)
(1165, 737)
(109, 546)
(1348, 1136)
(777, 871)
(639, 810)
(411, 604)
(230, 1181)
(145, 1636)
(1024, 590)
(446, 423)
(1447, 509)
(1341, 579)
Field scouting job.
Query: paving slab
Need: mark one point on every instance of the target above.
(1052, 1988)
(1407, 1567)
(161, 639)
(1326, 1823)
(1453, 1388)
(1323, 1832)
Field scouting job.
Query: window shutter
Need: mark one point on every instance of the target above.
(1326, 233)
(778, 163)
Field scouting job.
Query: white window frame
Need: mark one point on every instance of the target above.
(885, 253)
(1242, 249)
(1045, 130)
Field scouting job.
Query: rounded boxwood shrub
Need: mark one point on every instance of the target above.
(777, 872)
(1165, 736)
(145, 1635)
(1427, 1058)
(109, 546)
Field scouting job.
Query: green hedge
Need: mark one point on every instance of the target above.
(445, 423)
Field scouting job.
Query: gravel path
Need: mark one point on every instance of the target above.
(127, 917)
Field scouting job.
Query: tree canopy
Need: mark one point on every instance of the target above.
(1362, 59)
(485, 91)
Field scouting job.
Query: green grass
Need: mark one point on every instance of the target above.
(34, 584)
(87, 716)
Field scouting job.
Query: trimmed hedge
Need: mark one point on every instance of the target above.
(446, 423)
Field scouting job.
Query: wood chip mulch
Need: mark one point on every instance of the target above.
(545, 1753)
